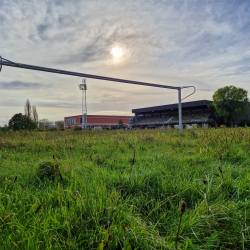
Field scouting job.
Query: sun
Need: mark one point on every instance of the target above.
(116, 52)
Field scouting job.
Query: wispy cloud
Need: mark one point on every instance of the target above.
(17, 85)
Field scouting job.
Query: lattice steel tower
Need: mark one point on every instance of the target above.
(83, 88)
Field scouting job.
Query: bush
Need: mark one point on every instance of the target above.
(47, 169)
(5, 128)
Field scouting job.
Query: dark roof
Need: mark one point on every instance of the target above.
(172, 106)
(172, 120)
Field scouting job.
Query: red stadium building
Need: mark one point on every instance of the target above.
(104, 121)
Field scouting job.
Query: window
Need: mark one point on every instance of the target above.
(80, 120)
(70, 121)
(130, 120)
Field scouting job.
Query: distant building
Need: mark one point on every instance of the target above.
(104, 121)
(193, 113)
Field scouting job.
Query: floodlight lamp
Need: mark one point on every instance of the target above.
(82, 86)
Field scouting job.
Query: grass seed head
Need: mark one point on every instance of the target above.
(183, 207)
(60, 175)
(38, 208)
(220, 169)
(108, 237)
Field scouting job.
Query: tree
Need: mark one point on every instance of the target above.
(31, 112)
(214, 115)
(27, 109)
(44, 124)
(21, 122)
(60, 125)
(120, 122)
(231, 103)
(34, 114)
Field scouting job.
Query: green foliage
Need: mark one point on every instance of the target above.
(245, 122)
(231, 103)
(5, 128)
(60, 125)
(121, 124)
(121, 189)
(214, 115)
(21, 122)
(47, 169)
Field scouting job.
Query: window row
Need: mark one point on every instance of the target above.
(70, 121)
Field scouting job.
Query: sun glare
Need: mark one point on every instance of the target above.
(116, 52)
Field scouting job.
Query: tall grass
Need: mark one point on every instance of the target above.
(122, 189)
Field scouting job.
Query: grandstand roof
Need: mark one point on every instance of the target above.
(173, 120)
(172, 106)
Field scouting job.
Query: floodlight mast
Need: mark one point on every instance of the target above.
(83, 88)
(6, 62)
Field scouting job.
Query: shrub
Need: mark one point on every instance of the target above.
(223, 126)
(47, 169)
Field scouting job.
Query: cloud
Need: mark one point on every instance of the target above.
(1, 19)
(41, 28)
(18, 85)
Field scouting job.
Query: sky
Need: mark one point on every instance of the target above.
(204, 43)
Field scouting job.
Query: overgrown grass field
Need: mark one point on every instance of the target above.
(123, 189)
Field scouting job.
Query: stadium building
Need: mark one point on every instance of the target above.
(193, 114)
(104, 121)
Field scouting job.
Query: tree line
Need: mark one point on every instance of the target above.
(29, 120)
